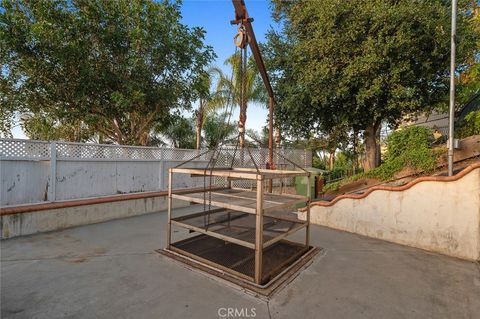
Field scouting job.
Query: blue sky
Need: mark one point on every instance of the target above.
(215, 16)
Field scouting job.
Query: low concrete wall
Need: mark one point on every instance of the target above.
(440, 216)
(27, 223)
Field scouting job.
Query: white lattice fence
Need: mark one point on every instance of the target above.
(67, 150)
(14, 148)
(82, 170)
(29, 149)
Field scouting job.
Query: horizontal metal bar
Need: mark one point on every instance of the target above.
(282, 236)
(209, 263)
(285, 205)
(214, 234)
(215, 203)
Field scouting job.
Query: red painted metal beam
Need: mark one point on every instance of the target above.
(241, 15)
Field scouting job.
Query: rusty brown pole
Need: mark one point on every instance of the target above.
(270, 140)
(241, 16)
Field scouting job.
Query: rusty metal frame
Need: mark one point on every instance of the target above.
(259, 210)
(242, 17)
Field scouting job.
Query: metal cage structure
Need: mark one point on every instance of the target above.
(241, 231)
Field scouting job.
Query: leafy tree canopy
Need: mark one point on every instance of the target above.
(180, 133)
(361, 62)
(217, 130)
(120, 67)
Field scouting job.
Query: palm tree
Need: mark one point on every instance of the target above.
(254, 89)
(228, 92)
(209, 101)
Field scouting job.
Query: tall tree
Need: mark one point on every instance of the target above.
(362, 63)
(469, 82)
(254, 89)
(119, 66)
(210, 99)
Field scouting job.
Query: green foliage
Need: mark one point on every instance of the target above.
(469, 126)
(409, 147)
(469, 83)
(121, 67)
(361, 63)
(232, 84)
(408, 139)
(181, 133)
(42, 127)
(260, 139)
(343, 164)
(216, 130)
(317, 162)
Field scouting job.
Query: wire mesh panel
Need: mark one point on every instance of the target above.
(258, 158)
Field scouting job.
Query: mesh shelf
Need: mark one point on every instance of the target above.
(238, 227)
(241, 199)
(239, 260)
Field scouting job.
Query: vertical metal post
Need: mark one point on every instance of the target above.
(307, 235)
(259, 231)
(1, 181)
(161, 179)
(53, 171)
(169, 228)
(451, 112)
(270, 140)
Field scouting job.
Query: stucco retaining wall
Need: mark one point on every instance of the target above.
(27, 223)
(439, 216)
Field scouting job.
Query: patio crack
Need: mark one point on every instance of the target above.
(268, 309)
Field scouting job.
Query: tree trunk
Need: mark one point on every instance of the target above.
(371, 158)
(355, 155)
(241, 125)
(277, 138)
(199, 125)
(331, 159)
(144, 138)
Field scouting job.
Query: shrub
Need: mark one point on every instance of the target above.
(470, 125)
(408, 147)
(407, 139)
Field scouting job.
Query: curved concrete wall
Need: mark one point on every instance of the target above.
(438, 216)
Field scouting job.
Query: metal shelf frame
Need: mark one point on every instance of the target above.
(241, 200)
(237, 227)
(248, 202)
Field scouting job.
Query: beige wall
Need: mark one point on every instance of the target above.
(54, 219)
(442, 217)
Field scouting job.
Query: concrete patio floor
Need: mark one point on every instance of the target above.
(110, 270)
